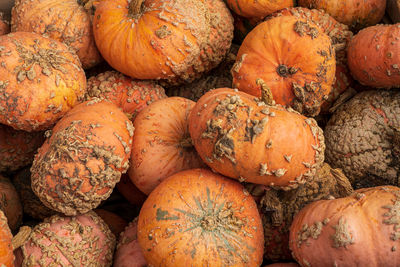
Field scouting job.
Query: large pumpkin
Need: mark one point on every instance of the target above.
(170, 40)
(41, 79)
(257, 9)
(358, 230)
(199, 218)
(290, 55)
(67, 21)
(241, 137)
(82, 159)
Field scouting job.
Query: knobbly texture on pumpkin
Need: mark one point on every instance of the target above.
(79, 164)
(41, 79)
(17, 148)
(83, 240)
(277, 209)
(130, 95)
(67, 21)
(342, 237)
(361, 138)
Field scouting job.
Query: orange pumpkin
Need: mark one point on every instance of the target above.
(354, 13)
(6, 248)
(199, 218)
(161, 143)
(67, 21)
(293, 57)
(41, 79)
(82, 159)
(169, 40)
(4, 25)
(358, 230)
(241, 137)
(287, 264)
(374, 56)
(129, 191)
(130, 95)
(257, 9)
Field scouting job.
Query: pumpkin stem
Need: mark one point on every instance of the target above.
(266, 94)
(22, 236)
(186, 143)
(342, 183)
(135, 7)
(272, 205)
(284, 71)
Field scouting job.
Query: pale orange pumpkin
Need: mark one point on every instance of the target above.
(257, 9)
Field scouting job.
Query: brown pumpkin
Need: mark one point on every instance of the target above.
(10, 203)
(114, 222)
(83, 157)
(6, 248)
(293, 57)
(4, 25)
(41, 80)
(243, 138)
(129, 191)
(374, 56)
(199, 218)
(358, 230)
(257, 9)
(355, 13)
(67, 21)
(169, 40)
(161, 143)
(17, 148)
(128, 94)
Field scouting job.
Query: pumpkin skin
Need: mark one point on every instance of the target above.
(243, 138)
(6, 248)
(84, 156)
(171, 40)
(206, 220)
(355, 13)
(17, 148)
(286, 264)
(114, 222)
(374, 56)
(296, 61)
(129, 191)
(128, 94)
(343, 231)
(42, 80)
(66, 21)
(257, 9)
(161, 143)
(10, 203)
(4, 25)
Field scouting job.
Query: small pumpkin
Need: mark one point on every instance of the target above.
(358, 230)
(128, 94)
(129, 191)
(6, 248)
(10, 203)
(114, 222)
(67, 21)
(161, 143)
(374, 56)
(4, 25)
(174, 41)
(257, 9)
(241, 137)
(41, 79)
(83, 157)
(293, 57)
(205, 220)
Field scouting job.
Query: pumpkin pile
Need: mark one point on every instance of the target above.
(199, 133)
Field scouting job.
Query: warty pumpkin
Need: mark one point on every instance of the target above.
(241, 137)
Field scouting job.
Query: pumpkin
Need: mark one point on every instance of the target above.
(206, 220)
(161, 143)
(355, 13)
(10, 203)
(6, 248)
(243, 138)
(17, 148)
(257, 9)
(362, 138)
(67, 21)
(374, 56)
(83, 240)
(114, 222)
(41, 80)
(174, 41)
(83, 157)
(128, 94)
(293, 57)
(286, 264)
(358, 230)
(277, 207)
(129, 191)
(4, 25)
(31, 204)
(128, 252)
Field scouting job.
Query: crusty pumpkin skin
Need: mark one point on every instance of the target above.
(66, 21)
(41, 80)
(171, 40)
(82, 159)
(358, 230)
(207, 219)
(355, 13)
(374, 56)
(290, 55)
(6, 248)
(243, 138)
(257, 9)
